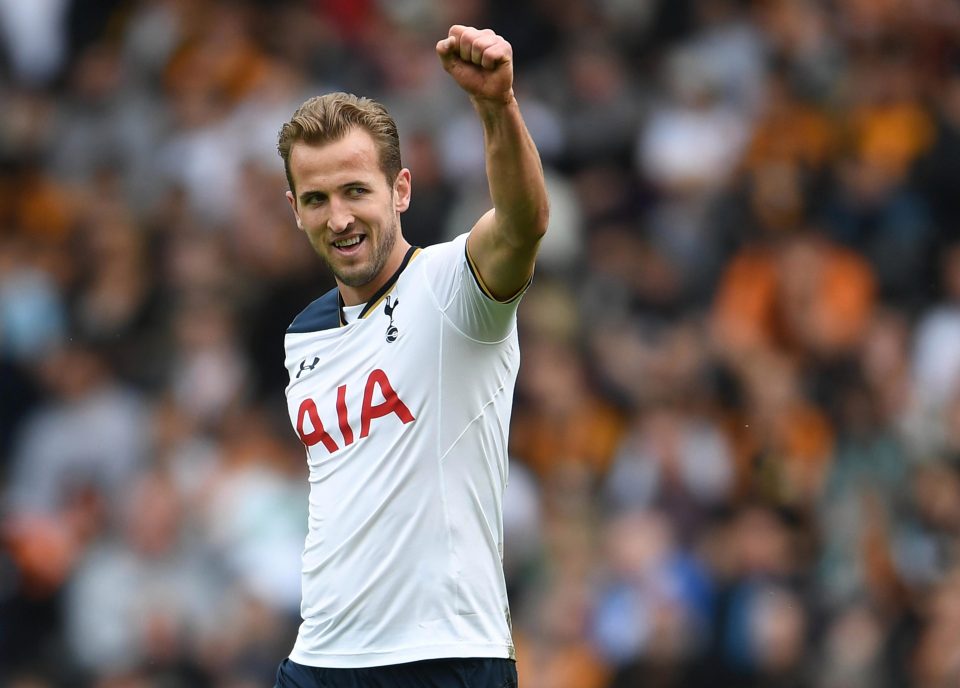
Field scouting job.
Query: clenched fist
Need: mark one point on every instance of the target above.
(480, 61)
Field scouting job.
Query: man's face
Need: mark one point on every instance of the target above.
(349, 211)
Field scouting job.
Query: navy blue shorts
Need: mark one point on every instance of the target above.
(431, 673)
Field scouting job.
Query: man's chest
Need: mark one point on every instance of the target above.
(372, 376)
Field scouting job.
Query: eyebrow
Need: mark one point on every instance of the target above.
(305, 196)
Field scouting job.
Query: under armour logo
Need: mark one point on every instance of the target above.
(304, 367)
(388, 308)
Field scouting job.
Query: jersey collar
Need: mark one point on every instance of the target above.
(382, 291)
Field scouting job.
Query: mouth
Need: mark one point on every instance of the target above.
(348, 245)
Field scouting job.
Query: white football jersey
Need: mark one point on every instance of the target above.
(404, 413)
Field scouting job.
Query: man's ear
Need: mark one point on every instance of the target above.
(401, 191)
(293, 206)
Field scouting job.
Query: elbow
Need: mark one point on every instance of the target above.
(540, 219)
(526, 226)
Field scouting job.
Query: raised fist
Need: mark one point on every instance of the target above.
(480, 61)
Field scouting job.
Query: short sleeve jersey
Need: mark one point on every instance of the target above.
(404, 414)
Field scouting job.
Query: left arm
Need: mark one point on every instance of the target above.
(503, 243)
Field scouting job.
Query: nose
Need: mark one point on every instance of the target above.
(340, 217)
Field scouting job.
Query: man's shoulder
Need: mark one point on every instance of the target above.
(454, 244)
(451, 250)
(322, 314)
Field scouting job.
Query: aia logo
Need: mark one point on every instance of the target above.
(369, 411)
(388, 308)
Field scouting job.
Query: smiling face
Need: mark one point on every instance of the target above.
(349, 211)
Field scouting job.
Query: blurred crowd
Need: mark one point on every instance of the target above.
(735, 454)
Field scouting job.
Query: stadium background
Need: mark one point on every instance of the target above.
(736, 440)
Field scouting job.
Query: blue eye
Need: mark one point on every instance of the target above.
(357, 191)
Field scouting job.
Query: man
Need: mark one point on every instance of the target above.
(401, 384)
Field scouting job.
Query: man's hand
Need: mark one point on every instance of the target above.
(480, 61)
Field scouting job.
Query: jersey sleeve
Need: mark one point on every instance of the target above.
(462, 297)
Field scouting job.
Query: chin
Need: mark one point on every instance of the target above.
(355, 278)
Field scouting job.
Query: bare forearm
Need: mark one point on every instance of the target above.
(514, 172)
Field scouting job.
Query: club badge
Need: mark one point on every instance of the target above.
(388, 308)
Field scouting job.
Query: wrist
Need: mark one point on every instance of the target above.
(489, 108)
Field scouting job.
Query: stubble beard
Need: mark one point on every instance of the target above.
(366, 274)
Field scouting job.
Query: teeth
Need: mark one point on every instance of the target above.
(352, 241)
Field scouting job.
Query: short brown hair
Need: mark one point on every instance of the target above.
(329, 117)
